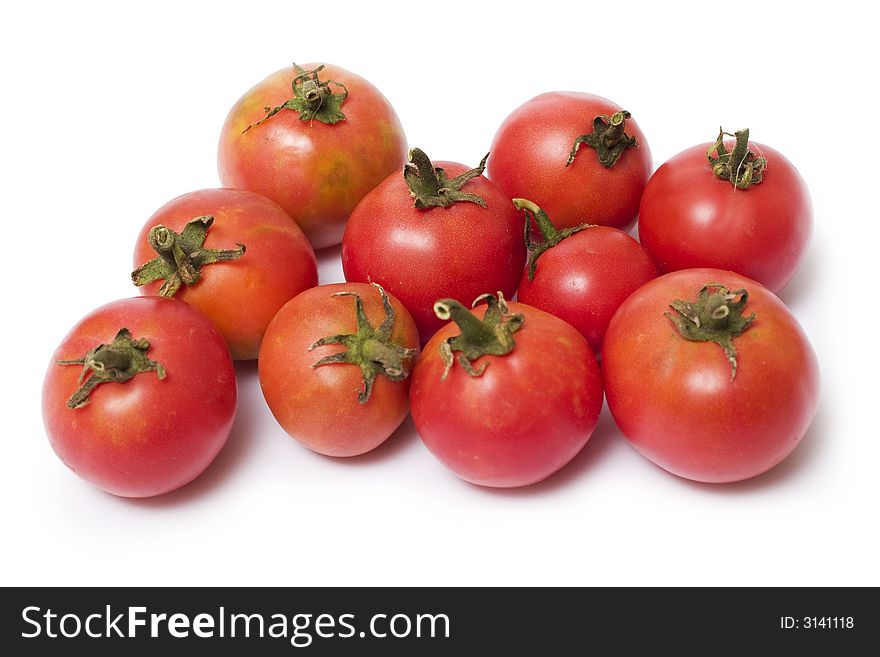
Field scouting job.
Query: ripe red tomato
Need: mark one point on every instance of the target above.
(333, 140)
(582, 274)
(522, 410)
(760, 227)
(336, 376)
(422, 240)
(532, 149)
(140, 396)
(243, 290)
(722, 409)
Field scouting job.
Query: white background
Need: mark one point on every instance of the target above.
(109, 111)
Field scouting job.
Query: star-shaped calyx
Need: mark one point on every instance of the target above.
(181, 256)
(551, 234)
(492, 335)
(371, 349)
(116, 362)
(716, 316)
(312, 98)
(608, 139)
(740, 167)
(430, 187)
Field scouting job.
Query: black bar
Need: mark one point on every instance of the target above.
(440, 621)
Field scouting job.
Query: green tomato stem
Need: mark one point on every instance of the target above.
(117, 362)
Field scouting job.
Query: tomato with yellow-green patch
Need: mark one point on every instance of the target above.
(316, 171)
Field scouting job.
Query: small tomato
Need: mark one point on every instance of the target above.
(434, 232)
(709, 376)
(140, 396)
(581, 274)
(509, 398)
(315, 139)
(234, 255)
(741, 207)
(580, 157)
(334, 367)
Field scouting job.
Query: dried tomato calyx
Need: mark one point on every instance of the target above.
(608, 139)
(117, 362)
(429, 186)
(181, 256)
(716, 316)
(740, 167)
(371, 349)
(312, 97)
(492, 335)
(551, 234)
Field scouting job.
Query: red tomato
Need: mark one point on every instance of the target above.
(533, 145)
(316, 169)
(699, 409)
(582, 275)
(522, 410)
(692, 218)
(152, 406)
(421, 254)
(242, 295)
(334, 378)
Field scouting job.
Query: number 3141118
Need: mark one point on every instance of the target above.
(817, 622)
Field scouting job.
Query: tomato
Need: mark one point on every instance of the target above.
(542, 152)
(140, 396)
(581, 274)
(725, 403)
(758, 226)
(435, 232)
(507, 399)
(248, 284)
(334, 367)
(333, 138)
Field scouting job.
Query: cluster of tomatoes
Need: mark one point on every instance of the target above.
(703, 368)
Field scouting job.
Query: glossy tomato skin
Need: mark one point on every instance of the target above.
(317, 172)
(524, 418)
(319, 406)
(531, 147)
(674, 399)
(243, 295)
(421, 256)
(690, 218)
(586, 277)
(146, 436)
